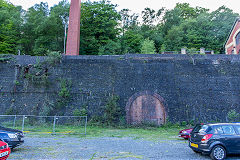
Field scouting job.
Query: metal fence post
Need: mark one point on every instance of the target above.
(14, 121)
(85, 125)
(54, 124)
(23, 122)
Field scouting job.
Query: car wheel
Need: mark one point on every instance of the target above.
(218, 153)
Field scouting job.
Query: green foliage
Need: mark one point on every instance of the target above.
(64, 91)
(33, 29)
(112, 112)
(111, 48)
(184, 123)
(38, 73)
(132, 41)
(207, 30)
(233, 116)
(10, 111)
(128, 21)
(192, 51)
(47, 109)
(104, 31)
(99, 26)
(171, 19)
(82, 112)
(37, 76)
(148, 47)
(16, 82)
(10, 24)
(222, 20)
(44, 28)
(190, 12)
(53, 58)
(150, 16)
(77, 112)
(5, 58)
(51, 108)
(63, 95)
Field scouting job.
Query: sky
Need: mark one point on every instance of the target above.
(137, 6)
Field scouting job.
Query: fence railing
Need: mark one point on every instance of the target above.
(49, 124)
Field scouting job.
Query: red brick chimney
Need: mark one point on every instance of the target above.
(73, 37)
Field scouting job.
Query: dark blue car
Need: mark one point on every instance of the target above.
(217, 140)
(13, 137)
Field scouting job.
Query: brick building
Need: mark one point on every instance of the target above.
(232, 45)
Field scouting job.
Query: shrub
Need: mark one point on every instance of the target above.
(47, 109)
(112, 111)
(192, 51)
(10, 111)
(233, 115)
(148, 47)
(81, 112)
(76, 112)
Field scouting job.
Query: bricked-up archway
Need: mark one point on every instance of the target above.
(146, 107)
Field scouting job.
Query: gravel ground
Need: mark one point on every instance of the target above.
(67, 148)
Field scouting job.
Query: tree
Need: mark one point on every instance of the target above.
(181, 12)
(111, 48)
(34, 40)
(150, 16)
(170, 19)
(99, 24)
(148, 47)
(190, 12)
(59, 14)
(128, 21)
(132, 41)
(222, 20)
(44, 28)
(174, 40)
(192, 33)
(208, 30)
(10, 27)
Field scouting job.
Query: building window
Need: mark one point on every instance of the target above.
(238, 39)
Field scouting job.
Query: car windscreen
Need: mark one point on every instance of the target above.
(200, 128)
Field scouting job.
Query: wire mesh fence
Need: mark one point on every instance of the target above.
(46, 124)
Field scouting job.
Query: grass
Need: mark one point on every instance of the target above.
(136, 133)
(166, 132)
(148, 133)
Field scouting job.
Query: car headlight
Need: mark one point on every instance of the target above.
(11, 135)
(184, 132)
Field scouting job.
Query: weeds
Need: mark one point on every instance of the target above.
(233, 116)
(5, 58)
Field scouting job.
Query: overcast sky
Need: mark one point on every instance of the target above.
(138, 5)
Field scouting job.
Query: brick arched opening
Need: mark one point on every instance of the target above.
(146, 107)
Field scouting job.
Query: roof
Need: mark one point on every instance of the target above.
(234, 24)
